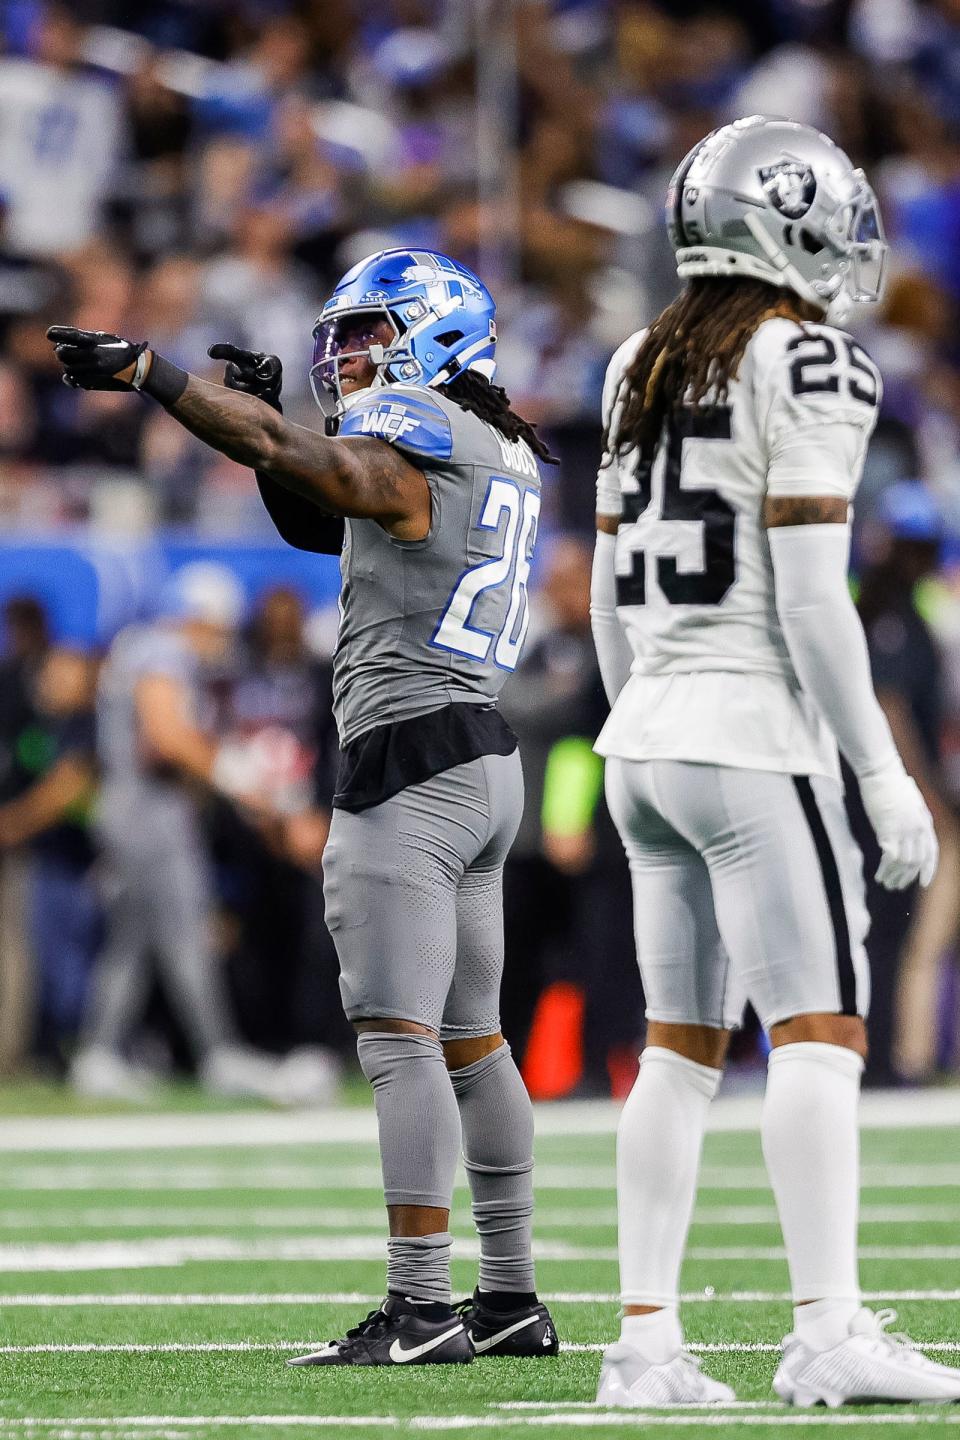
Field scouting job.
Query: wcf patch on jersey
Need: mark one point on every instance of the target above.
(390, 421)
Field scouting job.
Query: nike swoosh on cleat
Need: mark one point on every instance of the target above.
(481, 1345)
(399, 1356)
(332, 1349)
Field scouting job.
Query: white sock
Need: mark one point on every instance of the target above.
(811, 1145)
(657, 1336)
(658, 1155)
(824, 1323)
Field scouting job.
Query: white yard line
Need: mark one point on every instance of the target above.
(174, 1250)
(224, 1347)
(84, 1433)
(196, 1422)
(316, 1217)
(165, 1251)
(321, 1217)
(880, 1109)
(640, 1421)
(591, 1418)
(753, 1347)
(534, 1405)
(182, 1300)
(174, 1175)
(58, 1430)
(887, 1175)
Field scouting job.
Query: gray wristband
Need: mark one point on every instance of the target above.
(165, 382)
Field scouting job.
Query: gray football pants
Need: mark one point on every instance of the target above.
(747, 885)
(414, 899)
(158, 908)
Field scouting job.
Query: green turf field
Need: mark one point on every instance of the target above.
(155, 1291)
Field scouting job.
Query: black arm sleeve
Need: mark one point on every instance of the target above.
(301, 523)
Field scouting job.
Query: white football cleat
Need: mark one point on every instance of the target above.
(309, 1075)
(100, 1074)
(869, 1365)
(238, 1072)
(631, 1382)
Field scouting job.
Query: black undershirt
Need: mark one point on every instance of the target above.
(387, 759)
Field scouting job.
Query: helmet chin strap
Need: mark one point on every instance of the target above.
(839, 307)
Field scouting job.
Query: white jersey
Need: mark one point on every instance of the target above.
(711, 678)
(61, 139)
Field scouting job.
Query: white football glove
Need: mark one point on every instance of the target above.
(903, 826)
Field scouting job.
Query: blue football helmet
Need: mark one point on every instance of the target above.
(441, 314)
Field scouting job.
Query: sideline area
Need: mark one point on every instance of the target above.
(149, 1129)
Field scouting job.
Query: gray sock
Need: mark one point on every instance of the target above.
(419, 1128)
(418, 1267)
(497, 1120)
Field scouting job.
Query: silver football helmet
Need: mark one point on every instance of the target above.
(777, 201)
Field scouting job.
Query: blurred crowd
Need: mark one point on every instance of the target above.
(196, 170)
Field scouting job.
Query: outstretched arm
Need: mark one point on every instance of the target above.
(360, 477)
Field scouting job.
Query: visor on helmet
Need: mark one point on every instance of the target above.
(857, 232)
(344, 337)
(870, 252)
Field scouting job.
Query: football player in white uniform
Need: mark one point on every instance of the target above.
(735, 665)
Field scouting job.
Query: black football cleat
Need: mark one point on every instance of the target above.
(527, 1332)
(399, 1333)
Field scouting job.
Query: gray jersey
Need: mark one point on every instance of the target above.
(139, 802)
(429, 622)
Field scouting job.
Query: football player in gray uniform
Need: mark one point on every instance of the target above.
(431, 484)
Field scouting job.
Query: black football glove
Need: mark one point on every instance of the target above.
(252, 372)
(92, 358)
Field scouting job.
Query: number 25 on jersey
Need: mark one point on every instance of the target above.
(708, 508)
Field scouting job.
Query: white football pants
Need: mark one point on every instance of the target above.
(747, 885)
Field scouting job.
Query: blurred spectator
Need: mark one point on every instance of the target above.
(26, 643)
(907, 675)
(156, 749)
(61, 135)
(283, 965)
(51, 815)
(263, 297)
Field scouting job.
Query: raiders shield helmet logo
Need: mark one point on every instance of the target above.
(790, 187)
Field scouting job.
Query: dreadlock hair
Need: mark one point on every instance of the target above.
(472, 391)
(693, 350)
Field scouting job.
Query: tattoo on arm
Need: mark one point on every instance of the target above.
(361, 477)
(804, 510)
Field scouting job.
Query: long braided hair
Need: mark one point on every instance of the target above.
(691, 351)
(472, 391)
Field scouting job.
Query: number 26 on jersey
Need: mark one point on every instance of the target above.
(509, 616)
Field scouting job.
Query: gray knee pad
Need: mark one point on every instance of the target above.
(417, 1116)
(497, 1120)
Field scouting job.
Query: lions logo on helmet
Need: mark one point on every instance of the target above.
(790, 187)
